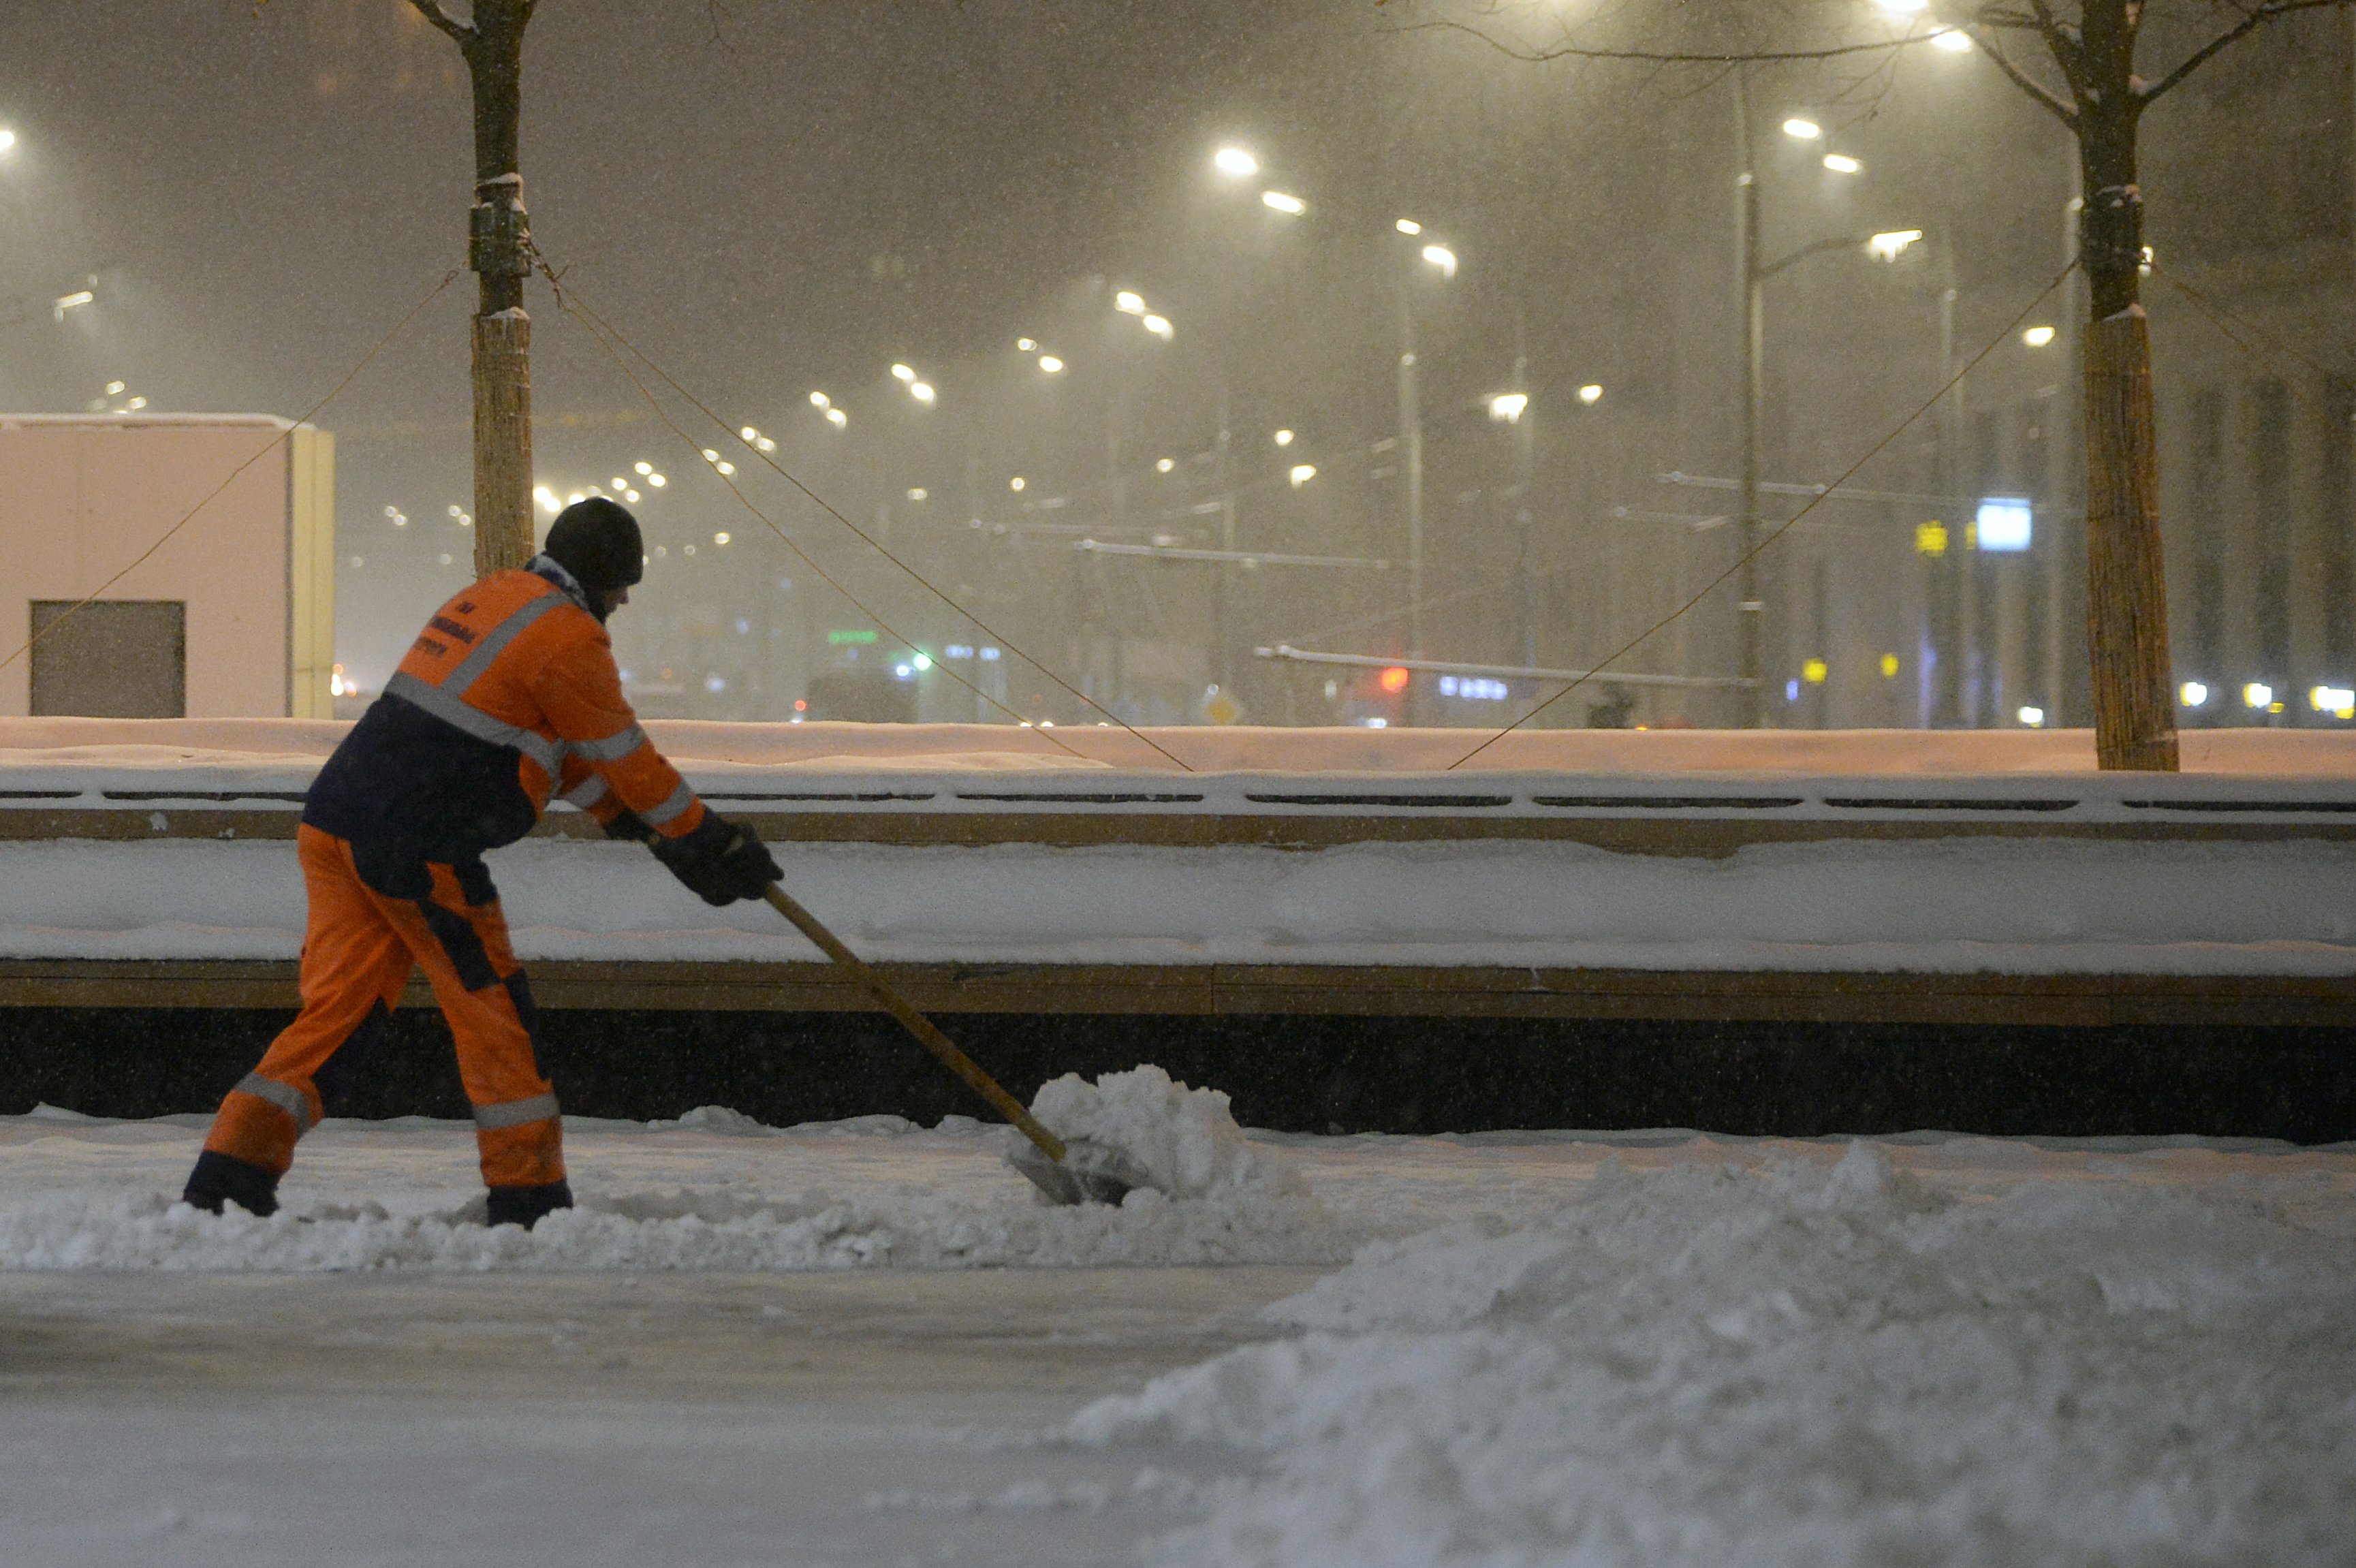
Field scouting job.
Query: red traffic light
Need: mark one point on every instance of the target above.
(1394, 680)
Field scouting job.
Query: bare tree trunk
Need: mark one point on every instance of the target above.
(2127, 589)
(498, 233)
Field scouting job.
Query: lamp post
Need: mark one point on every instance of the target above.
(1751, 275)
(1442, 260)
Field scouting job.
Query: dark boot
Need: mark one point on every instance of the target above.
(524, 1205)
(219, 1178)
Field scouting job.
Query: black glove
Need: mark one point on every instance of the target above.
(720, 861)
(628, 825)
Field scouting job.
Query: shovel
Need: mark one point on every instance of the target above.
(1080, 1171)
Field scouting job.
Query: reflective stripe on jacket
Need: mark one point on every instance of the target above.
(508, 696)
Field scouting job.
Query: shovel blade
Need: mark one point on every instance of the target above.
(1088, 1172)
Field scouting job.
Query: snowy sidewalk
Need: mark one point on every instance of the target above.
(789, 1347)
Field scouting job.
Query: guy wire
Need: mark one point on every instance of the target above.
(304, 418)
(571, 302)
(2226, 321)
(1782, 529)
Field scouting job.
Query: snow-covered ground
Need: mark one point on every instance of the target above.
(70, 743)
(838, 1344)
(1948, 906)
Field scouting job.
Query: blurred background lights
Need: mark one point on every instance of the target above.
(1300, 474)
(1291, 206)
(1591, 394)
(1506, 407)
(1805, 130)
(2038, 336)
(1841, 163)
(1235, 161)
(1892, 245)
(2193, 693)
(2005, 523)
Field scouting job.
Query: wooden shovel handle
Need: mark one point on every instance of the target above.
(916, 1023)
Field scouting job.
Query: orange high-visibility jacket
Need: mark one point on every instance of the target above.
(508, 696)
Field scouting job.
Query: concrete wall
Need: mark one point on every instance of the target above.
(233, 515)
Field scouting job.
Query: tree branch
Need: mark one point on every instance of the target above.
(2252, 20)
(431, 11)
(1659, 57)
(1985, 35)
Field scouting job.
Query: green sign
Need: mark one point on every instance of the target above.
(838, 637)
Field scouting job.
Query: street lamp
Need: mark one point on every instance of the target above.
(1507, 408)
(7, 140)
(1235, 161)
(1841, 163)
(1291, 206)
(1443, 258)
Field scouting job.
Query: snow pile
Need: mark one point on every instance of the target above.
(870, 1191)
(1185, 1140)
(1795, 1367)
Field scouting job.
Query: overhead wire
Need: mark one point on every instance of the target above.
(2226, 323)
(1599, 669)
(271, 444)
(615, 343)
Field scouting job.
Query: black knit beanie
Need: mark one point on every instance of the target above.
(597, 541)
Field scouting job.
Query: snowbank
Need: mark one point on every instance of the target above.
(1937, 906)
(2280, 752)
(1795, 1367)
(712, 1190)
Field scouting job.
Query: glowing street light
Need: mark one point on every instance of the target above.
(1407, 226)
(1803, 130)
(902, 372)
(1015, 483)
(1235, 161)
(2257, 695)
(1892, 245)
(1128, 303)
(1841, 163)
(73, 301)
(834, 416)
(7, 140)
(2038, 336)
(1953, 40)
(1590, 394)
(2192, 694)
(1165, 465)
(1507, 408)
(1284, 438)
(819, 400)
(1300, 474)
(1160, 327)
(1049, 363)
(921, 392)
(1443, 258)
(1291, 206)
(1026, 344)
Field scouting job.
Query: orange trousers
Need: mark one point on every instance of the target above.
(358, 951)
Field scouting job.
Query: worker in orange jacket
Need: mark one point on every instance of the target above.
(508, 697)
